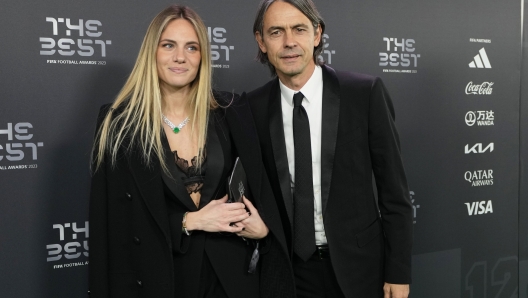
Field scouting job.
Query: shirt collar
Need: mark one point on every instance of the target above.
(308, 90)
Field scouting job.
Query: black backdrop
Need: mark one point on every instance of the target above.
(462, 128)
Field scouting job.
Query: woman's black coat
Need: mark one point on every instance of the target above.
(137, 249)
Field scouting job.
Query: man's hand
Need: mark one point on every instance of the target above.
(395, 291)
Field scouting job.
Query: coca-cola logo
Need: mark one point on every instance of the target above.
(480, 89)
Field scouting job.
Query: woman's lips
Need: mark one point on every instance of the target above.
(177, 69)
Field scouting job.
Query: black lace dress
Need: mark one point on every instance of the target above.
(194, 176)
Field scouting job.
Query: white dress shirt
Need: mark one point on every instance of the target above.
(313, 104)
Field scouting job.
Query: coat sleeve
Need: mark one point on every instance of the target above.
(180, 241)
(98, 216)
(393, 194)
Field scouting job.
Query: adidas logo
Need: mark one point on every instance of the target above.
(481, 60)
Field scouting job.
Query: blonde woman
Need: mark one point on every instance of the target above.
(159, 218)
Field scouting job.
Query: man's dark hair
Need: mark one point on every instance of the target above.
(307, 7)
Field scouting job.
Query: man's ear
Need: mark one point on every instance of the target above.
(260, 42)
(317, 36)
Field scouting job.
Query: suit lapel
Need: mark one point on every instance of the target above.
(150, 186)
(246, 141)
(279, 147)
(330, 120)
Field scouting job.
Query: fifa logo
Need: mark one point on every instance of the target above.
(18, 138)
(217, 40)
(86, 45)
(326, 51)
(400, 53)
(70, 250)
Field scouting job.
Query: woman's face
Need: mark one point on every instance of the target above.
(178, 55)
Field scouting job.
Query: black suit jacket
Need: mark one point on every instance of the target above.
(370, 242)
(137, 248)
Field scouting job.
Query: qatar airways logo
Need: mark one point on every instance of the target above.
(220, 49)
(72, 37)
(479, 178)
(479, 89)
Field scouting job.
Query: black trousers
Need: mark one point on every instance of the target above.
(315, 278)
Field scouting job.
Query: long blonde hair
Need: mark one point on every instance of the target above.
(136, 111)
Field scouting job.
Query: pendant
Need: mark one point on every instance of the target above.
(176, 130)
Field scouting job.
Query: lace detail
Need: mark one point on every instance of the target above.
(195, 175)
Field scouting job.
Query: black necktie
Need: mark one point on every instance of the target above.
(303, 196)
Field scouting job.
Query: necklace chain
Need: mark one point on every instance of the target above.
(175, 129)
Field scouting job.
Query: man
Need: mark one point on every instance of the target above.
(323, 134)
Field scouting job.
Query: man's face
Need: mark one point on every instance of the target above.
(288, 38)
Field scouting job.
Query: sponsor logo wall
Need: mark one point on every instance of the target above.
(450, 75)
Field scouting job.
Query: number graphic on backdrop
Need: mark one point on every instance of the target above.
(501, 279)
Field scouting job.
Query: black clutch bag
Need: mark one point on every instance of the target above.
(237, 183)
(236, 188)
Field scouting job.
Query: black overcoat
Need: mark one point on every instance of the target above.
(137, 249)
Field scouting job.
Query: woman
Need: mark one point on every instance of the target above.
(162, 155)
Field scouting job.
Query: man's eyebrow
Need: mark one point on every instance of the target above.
(272, 28)
(282, 27)
(300, 25)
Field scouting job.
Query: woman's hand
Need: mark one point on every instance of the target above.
(253, 226)
(217, 217)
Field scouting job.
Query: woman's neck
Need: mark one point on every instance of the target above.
(175, 102)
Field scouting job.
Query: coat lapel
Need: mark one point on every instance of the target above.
(330, 120)
(279, 147)
(175, 183)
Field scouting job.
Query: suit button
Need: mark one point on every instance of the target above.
(139, 283)
(136, 240)
(128, 196)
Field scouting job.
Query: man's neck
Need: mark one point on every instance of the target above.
(296, 82)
